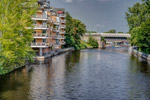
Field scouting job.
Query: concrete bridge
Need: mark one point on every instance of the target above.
(108, 37)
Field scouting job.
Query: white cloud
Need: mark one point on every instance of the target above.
(104, 0)
(70, 1)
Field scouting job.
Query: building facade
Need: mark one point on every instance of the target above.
(49, 29)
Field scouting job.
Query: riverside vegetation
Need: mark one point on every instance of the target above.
(15, 38)
(138, 18)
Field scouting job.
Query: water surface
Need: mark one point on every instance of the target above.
(91, 74)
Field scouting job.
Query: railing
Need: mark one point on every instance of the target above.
(56, 30)
(40, 16)
(40, 26)
(40, 34)
(63, 42)
(59, 37)
(63, 21)
(61, 15)
(62, 32)
(56, 23)
(40, 44)
(62, 26)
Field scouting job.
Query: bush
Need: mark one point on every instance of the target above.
(93, 42)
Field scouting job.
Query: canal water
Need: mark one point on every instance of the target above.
(90, 74)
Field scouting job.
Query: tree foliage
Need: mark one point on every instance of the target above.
(93, 42)
(15, 17)
(138, 18)
(111, 31)
(75, 29)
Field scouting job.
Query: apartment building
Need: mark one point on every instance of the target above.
(58, 33)
(41, 43)
(49, 28)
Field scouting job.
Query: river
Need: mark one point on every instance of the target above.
(90, 74)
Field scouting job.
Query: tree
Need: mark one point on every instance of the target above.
(93, 42)
(75, 29)
(70, 42)
(143, 37)
(111, 31)
(138, 17)
(15, 17)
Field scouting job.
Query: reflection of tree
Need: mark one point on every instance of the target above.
(71, 60)
(138, 79)
(15, 86)
(139, 65)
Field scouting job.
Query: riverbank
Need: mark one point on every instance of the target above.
(141, 55)
(38, 58)
(53, 53)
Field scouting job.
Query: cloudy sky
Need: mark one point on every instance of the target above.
(98, 15)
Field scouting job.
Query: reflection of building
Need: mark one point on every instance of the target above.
(49, 28)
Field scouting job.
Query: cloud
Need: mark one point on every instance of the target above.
(70, 1)
(104, 0)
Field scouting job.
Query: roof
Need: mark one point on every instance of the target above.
(110, 34)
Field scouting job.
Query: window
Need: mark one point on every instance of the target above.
(34, 41)
(44, 31)
(44, 40)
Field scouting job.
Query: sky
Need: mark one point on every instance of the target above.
(98, 15)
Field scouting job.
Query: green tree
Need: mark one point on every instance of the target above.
(111, 31)
(143, 37)
(93, 42)
(15, 17)
(75, 30)
(138, 17)
(70, 42)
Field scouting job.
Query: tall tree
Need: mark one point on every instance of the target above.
(138, 17)
(75, 30)
(15, 17)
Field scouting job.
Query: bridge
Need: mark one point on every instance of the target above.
(108, 39)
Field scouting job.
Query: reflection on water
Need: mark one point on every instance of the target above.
(91, 74)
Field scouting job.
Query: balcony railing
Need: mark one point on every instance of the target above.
(39, 26)
(55, 30)
(40, 44)
(40, 35)
(61, 15)
(62, 26)
(56, 23)
(62, 32)
(63, 43)
(40, 17)
(59, 37)
(63, 21)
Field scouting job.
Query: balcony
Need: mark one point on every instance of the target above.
(56, 23)
(63, 43)
(40, 17)
(40, 35)
(61, 15)
(59, 37)
(40, 45)
(63, 21)
(55, 30)
(62, 32)
(56, 44)
(40, 26)
(62, 26)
